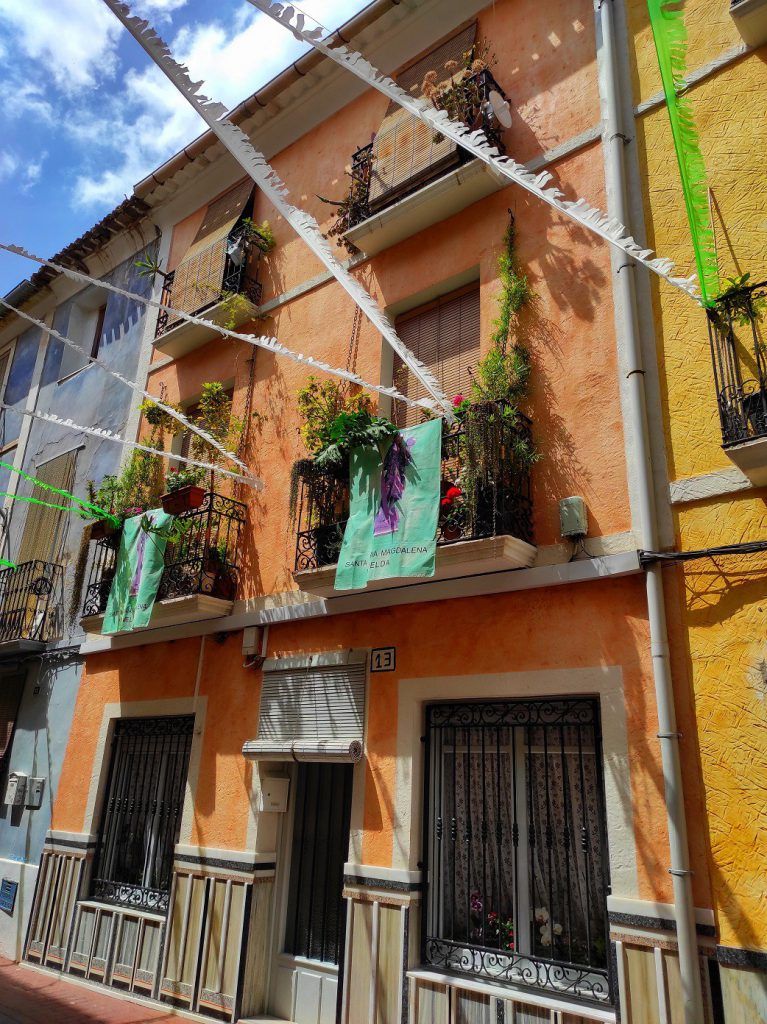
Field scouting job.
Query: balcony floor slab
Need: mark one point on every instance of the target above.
(21, 646)
(434, 202)
(172, 612)
(462, 558)
(184, 337)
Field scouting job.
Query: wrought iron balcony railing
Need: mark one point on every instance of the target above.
(225, 268)
(31, 602)
(740, 363)
(503, 507)
(408, 154)
(204, 561)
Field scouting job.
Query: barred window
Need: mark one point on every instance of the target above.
(142, 811)
(516, 845)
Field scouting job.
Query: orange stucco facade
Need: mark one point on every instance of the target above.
(606, 627)
(552, 625)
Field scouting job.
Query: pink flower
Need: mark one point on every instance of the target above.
(458, 400)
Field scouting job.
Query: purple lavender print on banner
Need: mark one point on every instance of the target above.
(393, 483)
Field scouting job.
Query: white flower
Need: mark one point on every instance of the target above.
(557, 929)
(545, 936)
(541, 915)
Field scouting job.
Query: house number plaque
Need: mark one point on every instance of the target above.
(383, 659)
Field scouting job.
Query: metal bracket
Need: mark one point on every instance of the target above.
(669, 735)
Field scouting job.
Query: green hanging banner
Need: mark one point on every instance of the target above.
(670, 34)
(140, 562)
(392, 528)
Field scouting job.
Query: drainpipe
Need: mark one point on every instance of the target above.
(615, 138)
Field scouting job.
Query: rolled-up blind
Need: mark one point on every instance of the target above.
(312, 713)
(444, 335)
(405, 150)
(45, 527)
(198, 279)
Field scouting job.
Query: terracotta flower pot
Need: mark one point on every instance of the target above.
(182, 500)
(102, 529)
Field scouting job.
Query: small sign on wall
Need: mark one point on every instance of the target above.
(8, 890)
(383, 659)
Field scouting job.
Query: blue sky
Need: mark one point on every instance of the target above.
(85, 115)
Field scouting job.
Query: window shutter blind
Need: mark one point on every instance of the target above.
(11, 690)
(4, 360)
(198, 279)
(405, 149)
(444, 335)
(44, 528)
(313, 713)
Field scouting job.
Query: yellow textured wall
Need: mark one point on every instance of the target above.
(720, 631)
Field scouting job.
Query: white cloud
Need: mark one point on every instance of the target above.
(9, 165)
(232, 59)
(77, 46)
(32, 173)
(12, 166)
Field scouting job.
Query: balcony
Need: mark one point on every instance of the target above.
(409, 178)
(219, 283)
(494, 532)
(740, 372)
(31, 606)
(201, 571)
(750, 16)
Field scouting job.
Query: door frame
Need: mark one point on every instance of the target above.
(281, 895)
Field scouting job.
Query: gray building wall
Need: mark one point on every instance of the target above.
(90, 397)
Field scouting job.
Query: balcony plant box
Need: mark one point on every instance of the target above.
(184, 499)
(103, 528)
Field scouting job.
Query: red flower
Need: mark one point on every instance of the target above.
(446, 502)
(457, 400)
(453, 493)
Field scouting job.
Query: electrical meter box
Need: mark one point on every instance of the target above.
(573, 518)
(16, 789)
(274, 794)
(35, 789)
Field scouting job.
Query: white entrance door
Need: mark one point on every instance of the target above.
(306, 975)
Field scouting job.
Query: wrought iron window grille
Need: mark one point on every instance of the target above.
(363, 168)
(239, 277)
(31, 602)
(739, 358)
(503, 508)
(142, 812)
(515, 845)
(204, 561)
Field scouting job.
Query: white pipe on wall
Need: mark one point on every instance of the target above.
(615, 138)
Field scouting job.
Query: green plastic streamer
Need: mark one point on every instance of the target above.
(670, 34)
(35, 501)
(8, 565)
(56, 490)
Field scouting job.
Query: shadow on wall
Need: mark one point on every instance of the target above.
(22, 831)
(715, 595)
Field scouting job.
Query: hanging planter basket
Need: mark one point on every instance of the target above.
(182, 500)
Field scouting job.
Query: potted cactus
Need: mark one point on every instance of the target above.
(183, 491)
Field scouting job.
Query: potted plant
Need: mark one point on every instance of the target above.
(183, 491)
(453, 511)
(218, 579)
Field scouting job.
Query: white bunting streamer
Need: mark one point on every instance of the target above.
(476, 143)
(133, 386)
(260, 341)
(108, 435)
(255, 164)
